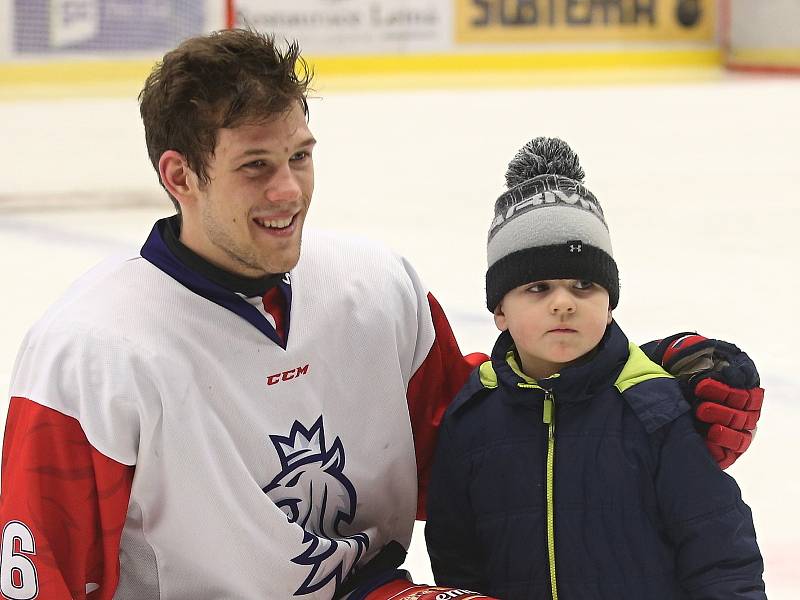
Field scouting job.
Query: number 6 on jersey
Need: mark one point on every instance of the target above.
(18, 579)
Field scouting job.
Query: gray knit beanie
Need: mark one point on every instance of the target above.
(548, 225)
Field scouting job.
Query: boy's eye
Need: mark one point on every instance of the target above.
(583, 284)
(538, 288)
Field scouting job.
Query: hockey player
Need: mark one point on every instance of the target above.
(223, 415)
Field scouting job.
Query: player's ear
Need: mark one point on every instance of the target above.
(500, 317)
(176, 176)
(610, 317)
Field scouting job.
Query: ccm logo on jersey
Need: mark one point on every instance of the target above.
(286, 375)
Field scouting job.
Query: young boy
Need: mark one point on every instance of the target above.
(568, 466)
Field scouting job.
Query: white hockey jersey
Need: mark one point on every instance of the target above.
(154, 420)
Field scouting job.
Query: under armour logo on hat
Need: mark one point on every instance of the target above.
(575, 246)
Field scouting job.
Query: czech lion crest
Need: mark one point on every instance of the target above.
(313, 491)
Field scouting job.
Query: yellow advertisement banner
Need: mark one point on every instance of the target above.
(580, 21)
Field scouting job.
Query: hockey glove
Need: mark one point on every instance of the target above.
(402, 589)
(722, 385)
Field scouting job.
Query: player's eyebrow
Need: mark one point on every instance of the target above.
(260, 151)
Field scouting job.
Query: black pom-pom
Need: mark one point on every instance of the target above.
(543, 155)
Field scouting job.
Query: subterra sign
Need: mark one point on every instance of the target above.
(514, 21)
(342, 26)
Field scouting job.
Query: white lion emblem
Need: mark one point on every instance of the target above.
(314, 492)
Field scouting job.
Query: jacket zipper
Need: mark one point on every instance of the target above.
(549, 417)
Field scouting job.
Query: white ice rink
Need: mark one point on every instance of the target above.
(699, 182)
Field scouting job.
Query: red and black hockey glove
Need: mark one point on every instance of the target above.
(722, 385)
(402, 589)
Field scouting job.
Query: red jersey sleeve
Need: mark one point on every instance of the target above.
(62, 508)
(430, 391)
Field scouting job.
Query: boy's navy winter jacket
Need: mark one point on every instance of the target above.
(639, 510)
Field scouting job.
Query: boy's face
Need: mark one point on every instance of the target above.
(553, 322)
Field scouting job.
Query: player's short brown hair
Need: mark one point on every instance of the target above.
(221, 80)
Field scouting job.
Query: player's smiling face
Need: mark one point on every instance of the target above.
(248, 219)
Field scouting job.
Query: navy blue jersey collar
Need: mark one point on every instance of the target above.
(170, 230)
(208, 281)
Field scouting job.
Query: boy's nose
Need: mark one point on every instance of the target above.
(562, 302)
(563, 309)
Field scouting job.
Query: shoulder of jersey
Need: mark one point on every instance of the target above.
(99, 287)
(321, 243)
